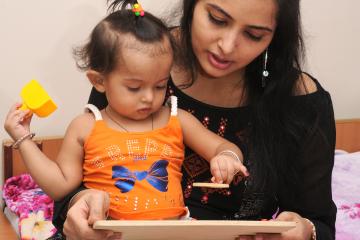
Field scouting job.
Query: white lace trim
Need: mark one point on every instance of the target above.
(94, 110)
(174, 105)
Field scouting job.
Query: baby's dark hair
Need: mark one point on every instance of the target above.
(101, 52)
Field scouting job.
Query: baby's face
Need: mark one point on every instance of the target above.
(137, 86)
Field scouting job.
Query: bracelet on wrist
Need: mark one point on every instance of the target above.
(17, 143)
(313, 229)
(230, 153)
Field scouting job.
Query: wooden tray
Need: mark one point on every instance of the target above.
(187, 229)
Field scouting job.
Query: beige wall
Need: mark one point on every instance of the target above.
(332, 34)
(36, 38)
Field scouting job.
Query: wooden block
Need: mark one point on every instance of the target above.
(210, 185)
(187, 229)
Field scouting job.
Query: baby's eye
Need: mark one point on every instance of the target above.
(161, 87)
(133, 89)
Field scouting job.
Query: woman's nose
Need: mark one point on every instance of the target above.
(228, 42)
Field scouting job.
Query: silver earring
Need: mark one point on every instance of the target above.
(265, 73)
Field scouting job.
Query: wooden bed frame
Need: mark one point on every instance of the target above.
(348, 135)
(347, 138)
(13, 164)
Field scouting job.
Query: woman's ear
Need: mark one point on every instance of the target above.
(96, 79)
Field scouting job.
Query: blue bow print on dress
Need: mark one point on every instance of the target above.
(157, 176)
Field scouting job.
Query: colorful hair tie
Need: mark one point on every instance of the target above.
(137, 9)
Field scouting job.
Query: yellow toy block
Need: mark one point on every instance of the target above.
(36, 99)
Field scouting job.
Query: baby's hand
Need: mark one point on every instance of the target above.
(224, 167)
(17, 122)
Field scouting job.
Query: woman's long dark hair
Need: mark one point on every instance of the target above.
(274, 132)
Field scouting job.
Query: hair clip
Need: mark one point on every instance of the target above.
(137, 9)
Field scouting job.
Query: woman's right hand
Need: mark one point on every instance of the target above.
(86, 208)
(17, 122)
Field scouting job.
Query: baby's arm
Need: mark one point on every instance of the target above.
(56, 178)
(225, 158)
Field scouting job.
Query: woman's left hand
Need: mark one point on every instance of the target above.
(302, 231)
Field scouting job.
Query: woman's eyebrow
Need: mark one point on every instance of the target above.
(217, 8)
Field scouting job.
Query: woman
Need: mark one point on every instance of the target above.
(240, 74)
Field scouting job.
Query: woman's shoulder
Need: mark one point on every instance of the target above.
(310, 95)
(309, 88)
(306, 84)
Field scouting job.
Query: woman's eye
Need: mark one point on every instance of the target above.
(254, 37)
(216, 20)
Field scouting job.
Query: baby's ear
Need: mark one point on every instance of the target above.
(96, 79)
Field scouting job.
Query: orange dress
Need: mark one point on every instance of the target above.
(141, 171)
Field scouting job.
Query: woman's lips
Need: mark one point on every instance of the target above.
(217, 62)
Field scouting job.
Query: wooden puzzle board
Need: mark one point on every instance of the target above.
(187, 229)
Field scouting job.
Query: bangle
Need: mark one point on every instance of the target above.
(17, 143)
(230, 153)
(313, 229)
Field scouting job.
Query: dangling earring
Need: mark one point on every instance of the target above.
(265, 73)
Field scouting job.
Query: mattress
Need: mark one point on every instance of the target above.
(13, 219)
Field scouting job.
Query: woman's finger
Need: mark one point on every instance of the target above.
(115, 236)
(98, 205)
(77, 225)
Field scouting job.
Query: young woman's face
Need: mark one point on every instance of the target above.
(137, 87)
(229, 34)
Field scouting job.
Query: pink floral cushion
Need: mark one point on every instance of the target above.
(33, 207)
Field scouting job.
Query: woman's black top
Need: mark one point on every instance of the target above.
(314, 198)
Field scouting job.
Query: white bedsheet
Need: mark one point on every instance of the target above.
(13, 219)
